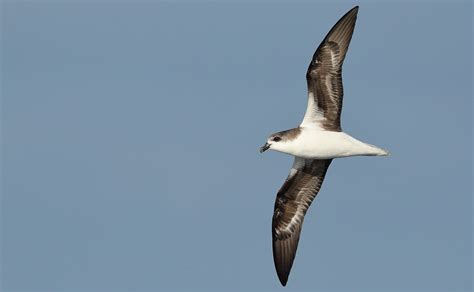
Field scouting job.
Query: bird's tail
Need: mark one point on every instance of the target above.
(377, 151)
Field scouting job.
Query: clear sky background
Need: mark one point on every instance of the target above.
(130, 136)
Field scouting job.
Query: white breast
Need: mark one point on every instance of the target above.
(320, 144)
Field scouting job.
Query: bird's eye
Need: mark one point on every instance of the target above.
(276, 139)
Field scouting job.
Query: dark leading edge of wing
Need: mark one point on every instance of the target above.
(324, 72)
(292, 202)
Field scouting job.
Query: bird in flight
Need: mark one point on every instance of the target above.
(318, 139)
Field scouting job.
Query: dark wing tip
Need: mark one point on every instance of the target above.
(284, 252)
(283, 280)
(340, 34)
(353, 11)
(344, 26)
(283, 277)
(283, 261)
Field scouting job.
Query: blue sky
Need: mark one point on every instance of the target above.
(130, 136)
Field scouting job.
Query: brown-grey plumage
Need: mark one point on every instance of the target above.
(325, 92)
(290, 134)
(324, 75)
(292, 202)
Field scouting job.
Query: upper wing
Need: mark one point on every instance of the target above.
(324, 76)
(292, 202)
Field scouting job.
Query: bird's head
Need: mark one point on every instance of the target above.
(281, 141)
(271, 143)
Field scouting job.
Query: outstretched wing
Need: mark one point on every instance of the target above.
(292, 202)
(324, 76)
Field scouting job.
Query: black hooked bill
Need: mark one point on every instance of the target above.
(264, 147)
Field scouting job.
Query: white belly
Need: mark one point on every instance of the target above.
(318, 144)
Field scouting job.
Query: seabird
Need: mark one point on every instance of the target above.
(317, 140)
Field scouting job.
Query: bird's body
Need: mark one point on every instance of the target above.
(317, 140)
(316, 143)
